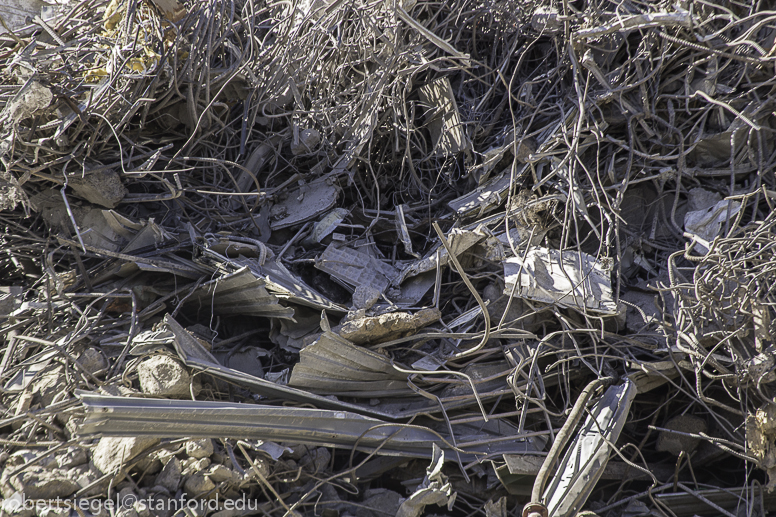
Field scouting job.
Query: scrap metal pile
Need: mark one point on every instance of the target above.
(350, 258)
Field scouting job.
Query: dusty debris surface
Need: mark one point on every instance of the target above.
(348, 258)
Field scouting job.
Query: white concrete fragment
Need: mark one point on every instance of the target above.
(163, 376)
(170, 476)
(111, 453)
(198, 484)
(199, 448)
(40, 483)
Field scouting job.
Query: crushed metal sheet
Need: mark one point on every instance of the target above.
(485, 197)
(354, 268)
(287, 286)
(690, 504)
(459, 241)
(293, 335)
(240, 292)
(649, 376)
(403, 231)
(333, 365)
(569, 279)
(435, 489)
(704, 225)
(490, 195)
(127, 416)
(588, 453)
(327, 225)
(413, 289)
(303, 203)
(523, 468)
(194, 355)
(277, 280)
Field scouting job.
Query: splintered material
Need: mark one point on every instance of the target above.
(354, 268)
(240, 292)
(287, 286)
(569, 279)
(443, 118)
(486, 197)
(587, 455)
(459, 241)
(304, 203)
(403, 232)
(705, 225)
(334, 366)
(271, 275)
(490, 195)
(434, 489)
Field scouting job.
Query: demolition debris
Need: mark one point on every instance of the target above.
(341, 258)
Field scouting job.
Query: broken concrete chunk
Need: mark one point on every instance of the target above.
(702, 199)
(170, 476)
(163, 376)
(40, 483)
(49, 384)
(102, 188)
(386, 326)
(761, 439)
(569, 279)
(676, 443)
(364, 297)
(198, 484)
(71, 457)
(92, 360)
(112, 453)
(30, 98)
(354, 268)
(199, 448)
(219, 474)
